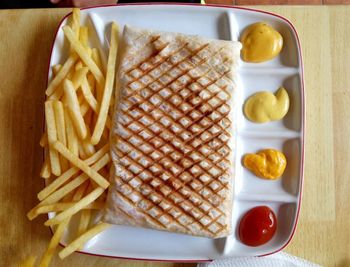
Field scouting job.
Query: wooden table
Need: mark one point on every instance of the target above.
(323, 232)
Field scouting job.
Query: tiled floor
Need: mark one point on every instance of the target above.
(277, 2)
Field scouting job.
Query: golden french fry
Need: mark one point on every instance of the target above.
(98, 155)
(81, 165)
(82, 153)
(107, 93)
(89, 51)
(84, 221)
(76, 21)
(78, 77)
(76, 207)
(55, 240)
(92, 83)
(79, 65)
(85, 215)
(60, 121)
(83, 54)
(61, 133)
(96, 58)
(84, 36)
(81, 240)
(52, 137)
(60, 206)
(56, 68)
(74, 109)
(70, 173)
(84, 108)
(88, 148)
(57, 94)
(99, 89)
(89, 97)
(57, 183)
(54, 84)
(81, 191)
(46, 168)
(72, 139)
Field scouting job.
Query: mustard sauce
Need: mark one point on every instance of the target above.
(260, 43)
(265, 106)
(268, 163)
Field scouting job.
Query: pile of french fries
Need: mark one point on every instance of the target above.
(77, 115)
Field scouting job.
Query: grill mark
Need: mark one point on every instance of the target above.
(177, 205)
(192, 54)
(173, 177)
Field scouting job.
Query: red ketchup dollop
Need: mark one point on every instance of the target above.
(257, 226)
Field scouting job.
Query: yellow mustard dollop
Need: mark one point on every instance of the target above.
(265, 106)
(268, 163)
(260, 43)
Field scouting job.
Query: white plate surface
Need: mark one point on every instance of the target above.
(287, 135)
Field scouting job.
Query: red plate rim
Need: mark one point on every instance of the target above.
(302, 116)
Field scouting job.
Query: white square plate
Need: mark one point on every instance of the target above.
(282, 196)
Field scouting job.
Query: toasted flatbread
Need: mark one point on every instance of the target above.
(173, 134)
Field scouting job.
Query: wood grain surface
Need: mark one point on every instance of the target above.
(322, 234)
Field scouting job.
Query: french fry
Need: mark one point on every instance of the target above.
(107, 93)
(76, 21)
(76, 207)
(92, 82)
(56, 68)
(60, 121)
(84, 220)
(74, 109)
(60, 206)
(83, 54)
(84, 108)
(84, 36)
(89, 97)
(78, 77)
(57, 183)
(85, 216)
(70, 173)
(88, 148)
(46, 168)
(81, 165)
(54, 84)
(52, 137)
(82, 153)
(80, 191)
(99, 88)
(61, 133)
(55, 240)
(89, 51)
(81, 240)
(79, 65)
(72, 139)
